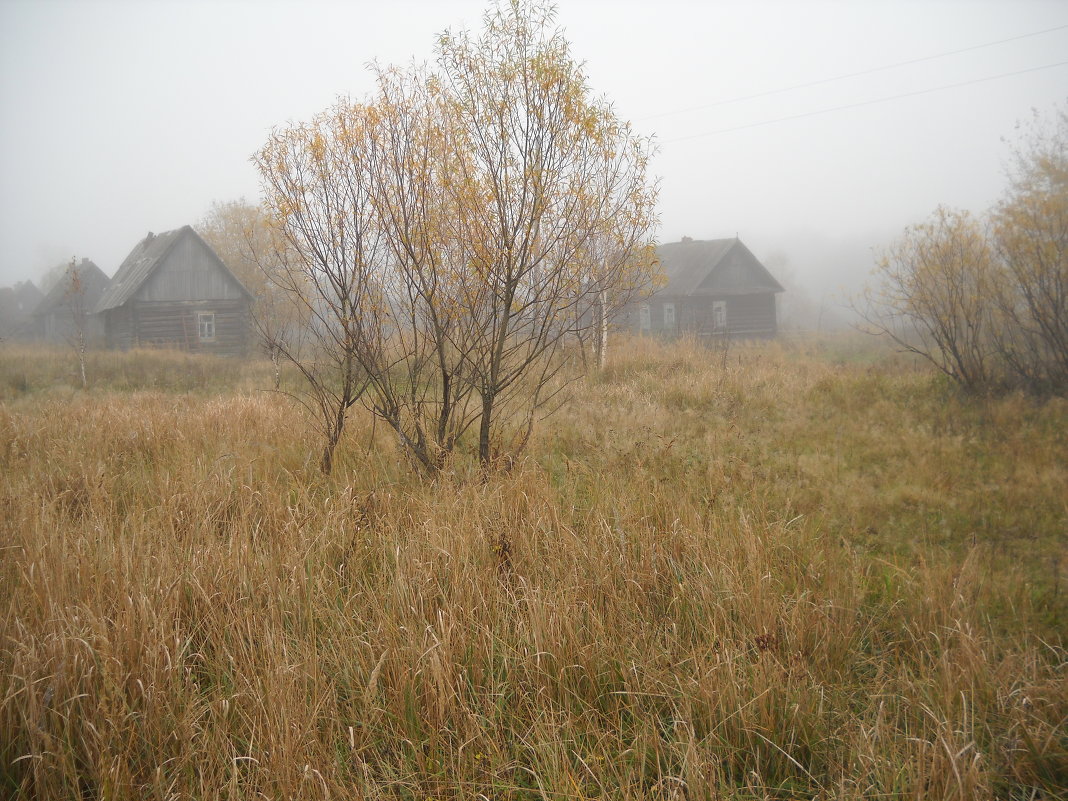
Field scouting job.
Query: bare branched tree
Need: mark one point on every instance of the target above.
(458, 231)
(550, 174)
(319, 197)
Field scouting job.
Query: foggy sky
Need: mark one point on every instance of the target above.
(123, 117)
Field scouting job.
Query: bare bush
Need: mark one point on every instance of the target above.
(986, 300)
(1030, 228)
(935, 295)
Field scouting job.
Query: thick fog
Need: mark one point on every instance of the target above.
(814, 131)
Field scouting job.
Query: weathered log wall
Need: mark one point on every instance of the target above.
(741, 316)
(175, 324)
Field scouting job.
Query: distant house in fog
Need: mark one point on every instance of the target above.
(17, 305)
(715, 287)
(66, 311)
(174, 291)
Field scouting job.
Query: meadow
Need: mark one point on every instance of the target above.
(805, 569)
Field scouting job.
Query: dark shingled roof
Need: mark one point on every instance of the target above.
(94, 284)
(701, 267)
(143, 259)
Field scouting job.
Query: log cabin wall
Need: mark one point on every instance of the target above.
(178, 324)
(118, 327)
(742, 316)
(751, 315)
(66, 326)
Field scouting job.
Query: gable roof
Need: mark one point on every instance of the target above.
(27, 296)
(702, 267)
(146, 256)
(94, 284)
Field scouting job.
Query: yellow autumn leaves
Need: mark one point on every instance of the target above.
(465, 228)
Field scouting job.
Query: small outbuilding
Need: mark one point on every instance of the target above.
(174, 291)
(715, 287)
(66, 311)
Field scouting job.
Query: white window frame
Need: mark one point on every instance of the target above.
(644, 317)
(719, 315)
(206, 326)
(669, 316)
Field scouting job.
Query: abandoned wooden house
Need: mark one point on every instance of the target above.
(174, 291)
(66, 311)
(715, 287)
(17, 305)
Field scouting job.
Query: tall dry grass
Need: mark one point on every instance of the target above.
(796, 571)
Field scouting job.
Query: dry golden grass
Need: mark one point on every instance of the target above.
(800, 571)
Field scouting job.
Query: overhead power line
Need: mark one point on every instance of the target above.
(851, 74)
(866, 102)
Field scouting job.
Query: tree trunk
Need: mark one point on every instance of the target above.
(326, 464)
(600, 336)
(484, 452)
(81, 361)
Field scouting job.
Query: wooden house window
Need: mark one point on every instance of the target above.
(669, 316)
(643, 317)
(206, 326)
(719, 314)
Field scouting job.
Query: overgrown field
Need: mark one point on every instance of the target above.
(794, 570)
